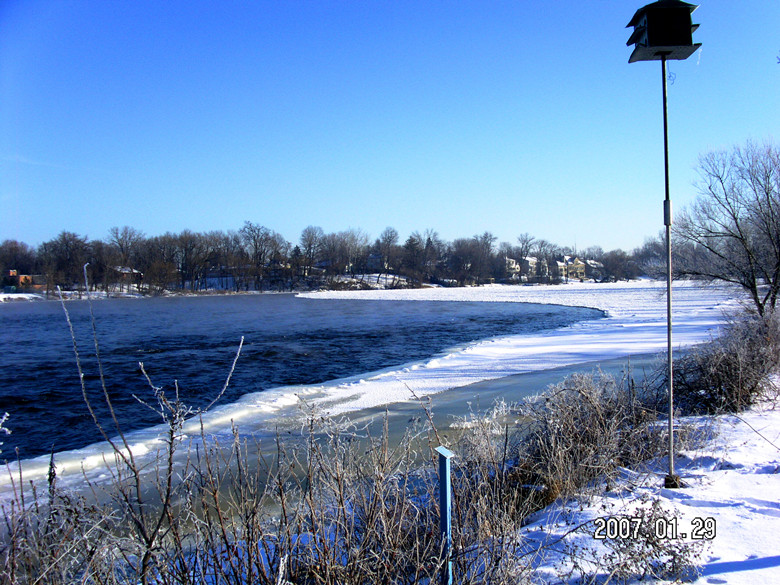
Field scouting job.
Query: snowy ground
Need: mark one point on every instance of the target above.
(732, 501)
(66, 294)
(12, 297)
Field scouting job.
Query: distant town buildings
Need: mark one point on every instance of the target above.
(562, 269)
(13, 282)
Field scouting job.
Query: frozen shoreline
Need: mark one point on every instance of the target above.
(635, 324)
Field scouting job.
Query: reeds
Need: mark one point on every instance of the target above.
(333, 504)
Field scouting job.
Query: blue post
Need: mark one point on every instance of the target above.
(445, 509)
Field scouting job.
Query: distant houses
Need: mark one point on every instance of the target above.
(570, 268)
(127, 277)
(13, 282)
(562, 269)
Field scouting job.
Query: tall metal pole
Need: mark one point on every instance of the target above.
(671, 479)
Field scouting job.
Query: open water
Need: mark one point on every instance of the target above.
(190, 342)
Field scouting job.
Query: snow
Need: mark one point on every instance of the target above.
(635, 324)
(733, 479)
(67, 295)
(12, 297)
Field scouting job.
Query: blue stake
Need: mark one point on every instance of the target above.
(445, 509)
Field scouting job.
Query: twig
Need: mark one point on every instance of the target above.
(428, 413)
(229, 376)
(104, 388)
(755, 430)
(81, 373)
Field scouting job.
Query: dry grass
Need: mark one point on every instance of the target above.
(334, 504)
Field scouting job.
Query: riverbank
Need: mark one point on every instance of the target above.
(635, 325)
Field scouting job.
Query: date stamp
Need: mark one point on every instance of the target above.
(632, 527)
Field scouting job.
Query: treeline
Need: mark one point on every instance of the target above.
(258, 258)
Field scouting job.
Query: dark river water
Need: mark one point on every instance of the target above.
(191, 342)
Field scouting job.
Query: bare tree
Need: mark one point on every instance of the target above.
(265, 247)
(388, 249)
(345, 251)
(525, 242)
(127, 241)
(194, 257)
(651, 257)
(732, 230)
(62, 259)
(522, 252)
(545, 253)
(311, 245)
(355, 243)
(462, 259)
(158, 262)
(17, 256)
(619, 265)
(482, 267)
(593, 253)
(230, 259)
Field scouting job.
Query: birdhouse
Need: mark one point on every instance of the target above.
(663, 29)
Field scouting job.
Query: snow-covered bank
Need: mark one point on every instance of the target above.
(635, 324)
(16, 297)
(67, 295)
(731, 502)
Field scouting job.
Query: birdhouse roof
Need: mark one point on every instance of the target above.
(660, 4)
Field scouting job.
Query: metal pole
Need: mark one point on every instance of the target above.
(671, 479)
(445, 511)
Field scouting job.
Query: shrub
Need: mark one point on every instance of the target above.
(641, 555)
(583, 428)
(731, 372)
(648, 555)
(55, 537)
(335, 506)
(3, 429)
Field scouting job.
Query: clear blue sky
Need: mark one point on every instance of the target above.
(462, 117)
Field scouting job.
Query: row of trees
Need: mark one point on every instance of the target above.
(258, 258)
(730, 233)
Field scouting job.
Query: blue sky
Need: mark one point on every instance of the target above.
(462, 116)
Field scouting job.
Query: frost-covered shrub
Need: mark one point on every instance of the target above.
(583, 428)
(640, 554)
(730, 372)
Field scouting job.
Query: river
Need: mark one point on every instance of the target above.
(292, 346)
